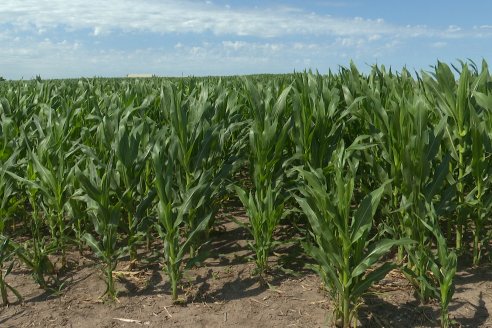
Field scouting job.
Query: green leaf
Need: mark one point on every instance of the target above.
(94, 245)
(439, 176)
(484, 100)
(362, 220)
(374, 276)
(375, 253)
(325, 265)
(89, 188)
(184, 247)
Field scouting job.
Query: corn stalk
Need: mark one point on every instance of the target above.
(342, 245)
(267, 141)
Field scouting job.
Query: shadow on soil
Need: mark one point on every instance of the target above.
(472, 277)
(480, 316)
(147, 286)
(230, 252)
(10, 317)
(379, 313)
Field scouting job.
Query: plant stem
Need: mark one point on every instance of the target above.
(109, 276)
(174, 286)
(3, 290)
(461, 173)
(131, 241)
(61, 231)
(345, 280)
(476, 238)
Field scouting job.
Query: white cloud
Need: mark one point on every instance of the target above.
(97, 31)
(234, 45)
(454, 28)
(40, 37)
(351, 42)
(53, 59)
(439, 44)
(25, 58)
(374, 37)
(186, 16)
(253, 47)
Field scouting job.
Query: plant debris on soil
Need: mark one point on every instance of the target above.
(224, 292)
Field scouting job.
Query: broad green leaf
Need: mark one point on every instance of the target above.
(362, 220)
(375, 253)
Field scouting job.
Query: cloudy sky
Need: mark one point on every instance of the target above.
(61, 38)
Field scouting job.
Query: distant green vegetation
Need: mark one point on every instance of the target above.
(367, 164)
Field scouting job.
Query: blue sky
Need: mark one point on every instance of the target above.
(60, 38)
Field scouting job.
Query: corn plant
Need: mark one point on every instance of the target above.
(7, 253)
(423, 177)
(132, 151)
(453, 101)
(49, 148)
(342, 245)
(55, 186)
(190, 169)
(411, 155)
(443, 267)
(8, 130)
(34, 252)
(8, 206)
(173, 207)
(105, 210)
(318, 119)
(385, 119)
(267, 140)
(11, 199)
(77, 209)
(480, 198)
(197, 137)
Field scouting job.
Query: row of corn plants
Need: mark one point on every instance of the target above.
(377, 165)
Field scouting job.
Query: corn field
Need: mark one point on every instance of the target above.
(380, 171)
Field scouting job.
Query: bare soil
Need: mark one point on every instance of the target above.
(224, 292)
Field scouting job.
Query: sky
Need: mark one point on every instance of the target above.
(87, 38)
